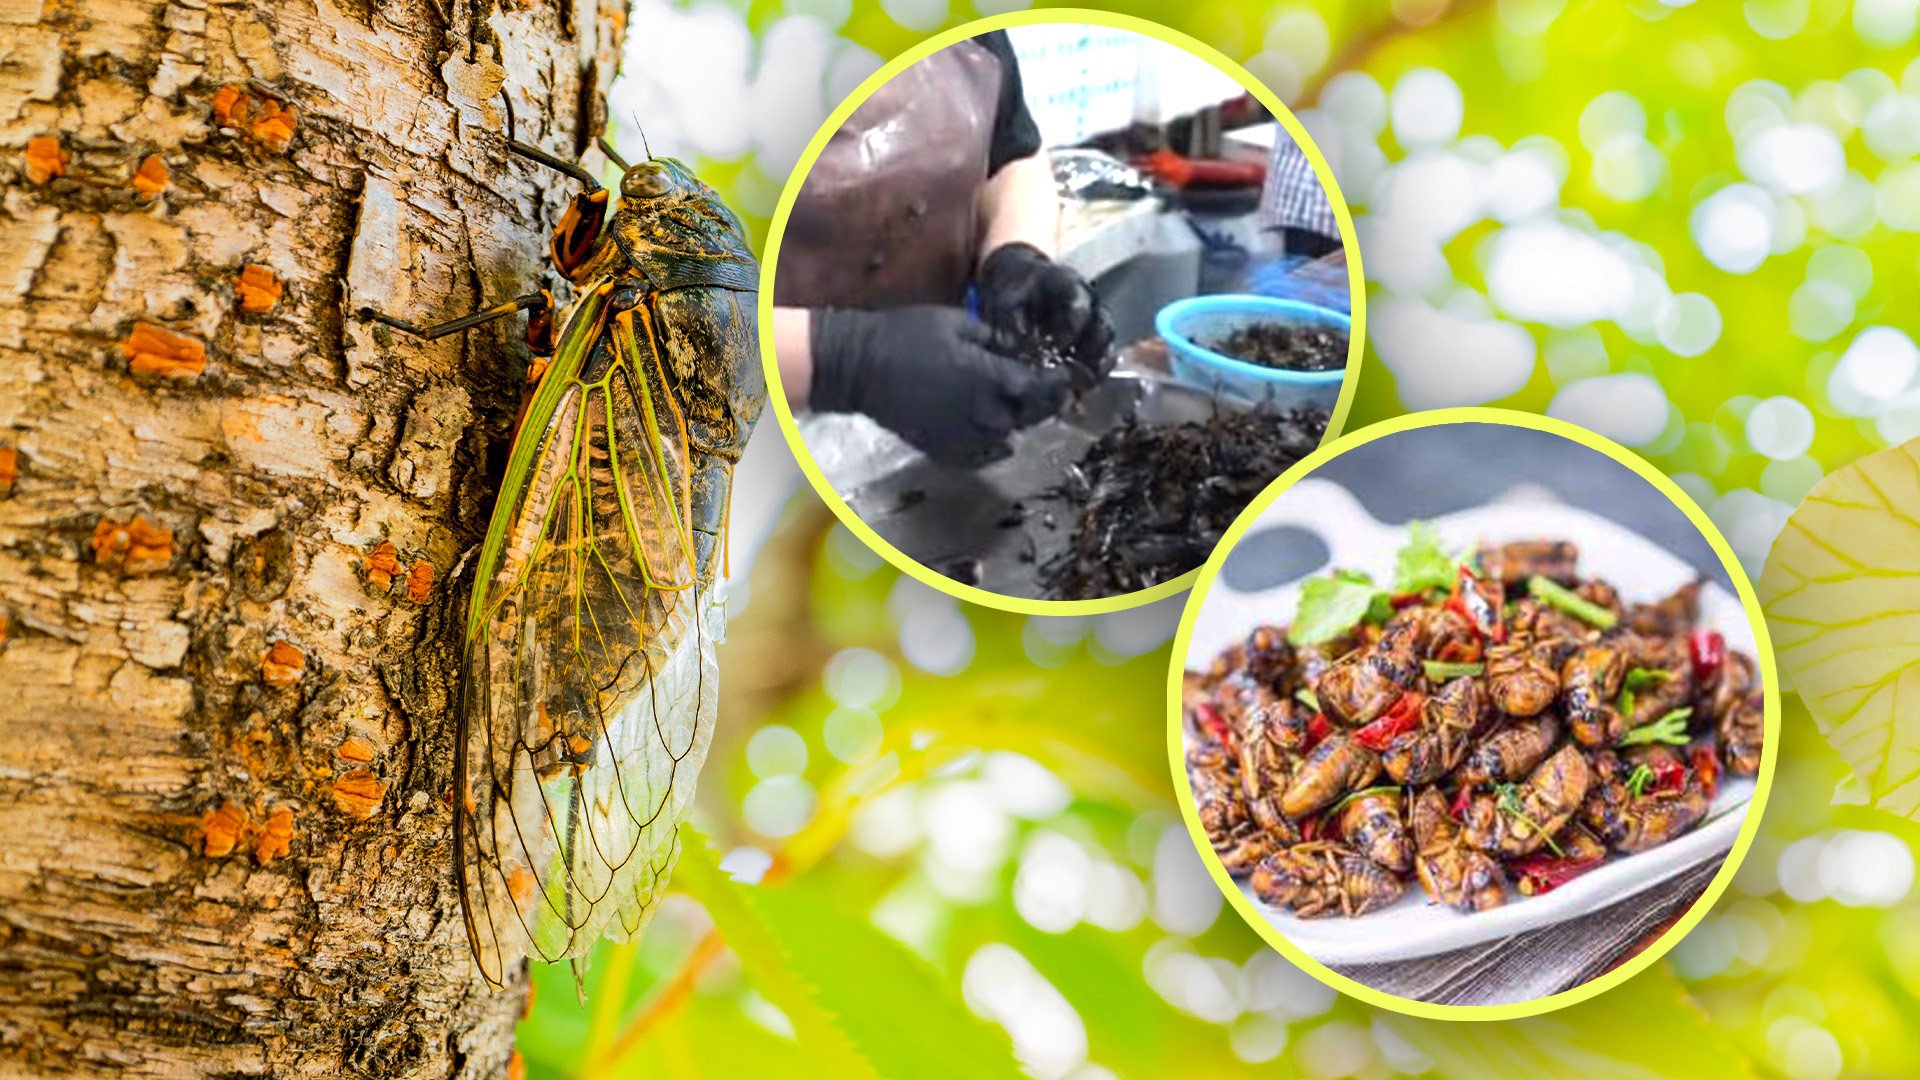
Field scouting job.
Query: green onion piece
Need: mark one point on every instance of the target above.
(1442, 670)
(1670, 729)
(1362, 793)
(1308, 698)
(1641, 677)
(1637, 783)
(1637, 680)
(1553, 594)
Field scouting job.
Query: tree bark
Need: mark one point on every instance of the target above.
(231, 514)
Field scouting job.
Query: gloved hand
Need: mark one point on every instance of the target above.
(927, 374)
(1038, 303)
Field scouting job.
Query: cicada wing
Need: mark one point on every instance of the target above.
(591, 682)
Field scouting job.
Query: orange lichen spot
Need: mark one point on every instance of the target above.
(282, 665)
(520, 885)
(230, 106)
(383, 562)
(420, 582)
(580, 744)
(9, 469)
(356, 749)
(220, 830)
(257, 289)
(44, 159)
(517, 1065)
(526, 1007)
(155, 350)
(358, 793)
(546, 720)
(273, 127)
(150, 179)
(135, 547)
(276, 836)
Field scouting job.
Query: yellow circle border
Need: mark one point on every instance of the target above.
(1770, 683)
(776, 231)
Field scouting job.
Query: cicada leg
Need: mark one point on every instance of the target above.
(539, 323)
(580, 225)
(539, 308)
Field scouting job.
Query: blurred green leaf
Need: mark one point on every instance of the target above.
(860, 988)
(710, 1036)
(1084, 724)
(762, 943)
(1842, 593)
(1644, 1030)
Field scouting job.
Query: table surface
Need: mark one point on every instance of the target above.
(1544, 961)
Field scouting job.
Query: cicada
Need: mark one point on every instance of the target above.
(588, 687)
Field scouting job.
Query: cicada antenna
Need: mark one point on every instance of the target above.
(613, 155)
(643, 136)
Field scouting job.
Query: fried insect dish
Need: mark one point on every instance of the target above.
(1492, 724)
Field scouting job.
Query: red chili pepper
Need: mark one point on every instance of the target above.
(1404, 716)
(1709, 651)
(1318, 728)
(1405, 599)
(1668, 775)
(1544, 873)
(1461, 800)
(1214, 724)
(1706, 766)
(1462, 652)
(1484, 614)
(1310, 828)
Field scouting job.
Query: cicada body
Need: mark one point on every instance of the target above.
(589, 687)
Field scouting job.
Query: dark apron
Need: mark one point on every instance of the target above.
(888, 214)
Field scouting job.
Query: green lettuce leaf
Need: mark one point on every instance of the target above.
(1423, 564)
(1331, 606)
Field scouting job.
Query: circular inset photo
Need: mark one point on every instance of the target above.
(1475, 714)
(1051, 301)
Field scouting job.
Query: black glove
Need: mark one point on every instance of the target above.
(1040, 304)
(927, 374)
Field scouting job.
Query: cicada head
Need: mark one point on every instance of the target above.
(664, 208)
(660, 178)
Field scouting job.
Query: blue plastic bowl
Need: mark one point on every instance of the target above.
(1186, 323)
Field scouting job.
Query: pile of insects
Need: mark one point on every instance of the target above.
(1151, 501)
(1284, 346)
(1488, 721)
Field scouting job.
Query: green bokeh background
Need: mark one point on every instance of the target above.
(871, 950)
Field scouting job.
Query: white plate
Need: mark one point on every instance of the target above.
(1639, 569)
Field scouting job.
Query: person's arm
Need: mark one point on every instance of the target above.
(1041, 305)
(793, 349)
(928, 373)
(1018, 205)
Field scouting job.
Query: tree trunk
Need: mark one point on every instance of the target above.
(231, 514)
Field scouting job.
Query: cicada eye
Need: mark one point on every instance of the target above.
(645, 181)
